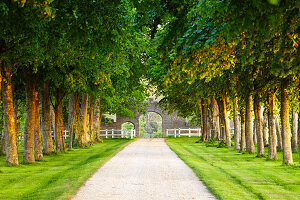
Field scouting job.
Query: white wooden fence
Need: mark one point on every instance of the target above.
(188, 132)
(66, 134)
(183, 132)
(107, 133)
(110, 133)
(118, 133)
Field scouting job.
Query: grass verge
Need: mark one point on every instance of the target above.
(233, 175)
(58, 176)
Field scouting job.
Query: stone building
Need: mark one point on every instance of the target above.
(171, 121)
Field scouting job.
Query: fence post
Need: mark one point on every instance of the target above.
(199, 132)
(106, 133)
(122, 134)
(179, 132)
(112, 133)
(189, 132)
(175, 130)
(65, 134)
(167, 132)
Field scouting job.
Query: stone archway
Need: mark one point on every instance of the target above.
(168, 121)
(128, 126)
(151, 125)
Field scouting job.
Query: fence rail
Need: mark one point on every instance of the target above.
(183, 132)
(108, 133)
(118, 133)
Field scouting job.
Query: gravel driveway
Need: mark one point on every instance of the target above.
(145, 169)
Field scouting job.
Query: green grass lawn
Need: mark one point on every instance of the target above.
(233, 175)
(57, 176)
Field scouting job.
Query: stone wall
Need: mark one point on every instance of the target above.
(168, 121)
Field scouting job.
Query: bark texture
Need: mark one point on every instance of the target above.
(52, 117)
(265, 130)
(272, 129)
(204, 120)
(97, 122)
(279, 136)
(249, 125)
(84, 118)
(4, 129)
(215, 118)
(3, 138)
(259, 131)
(294, 131)
(46, 119)
(221, 118)
(254, 132)
(71, 120)
(236, 124)
(286, 132)
(77, 121)
(16, 120)
(30, 85)
(299, 132)
(59, 125)
(91, 124)
(199, 106)
(243, 136)
(226, 119)
(11, 134)
(38, 146)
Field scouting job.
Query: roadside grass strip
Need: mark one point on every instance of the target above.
(59, 175)
(230, 174)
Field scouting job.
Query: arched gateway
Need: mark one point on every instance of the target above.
(168, 121)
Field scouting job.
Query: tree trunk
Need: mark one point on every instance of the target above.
(91, 123)
(294, 131)
(226, 119)
(221, 118)
(71, 120)
(99, 128)
(84, 117)
(11, 135)
(16, 120)
(76, 121)
(285, 124)
(38, 146)
(299, 132)
(209, 118)
(52, 116)
(215, 118)
(46, 119)
(249, 125)
(258, 119)
(278, 133)
(199, 106)
(236, 124)
(272, 129)
(254, 132)
(243, 136)
(265, 130)
(59, 124)
(3, 138)
(30, 85)
(204, 119)
(97, 122)
(4, 129)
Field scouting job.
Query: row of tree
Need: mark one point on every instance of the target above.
(221, 59)
(72, 61)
